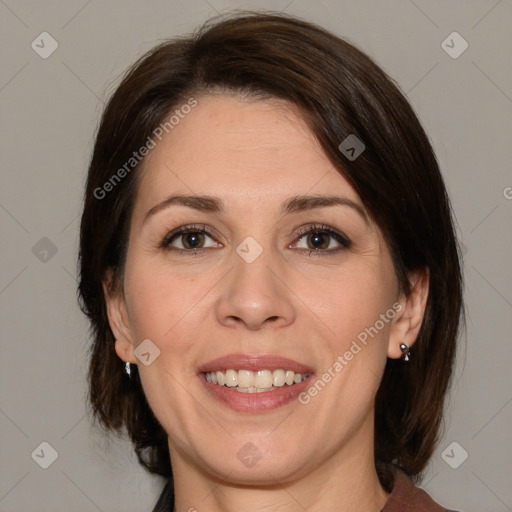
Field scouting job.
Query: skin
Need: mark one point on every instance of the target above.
(254, 155)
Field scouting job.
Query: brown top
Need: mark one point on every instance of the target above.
(404, 497)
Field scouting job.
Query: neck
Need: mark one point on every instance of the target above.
(347, 481)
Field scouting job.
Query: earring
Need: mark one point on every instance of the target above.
(127, 369)
(406, 352)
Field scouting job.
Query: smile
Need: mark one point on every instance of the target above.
(247, 381)
(254, 383)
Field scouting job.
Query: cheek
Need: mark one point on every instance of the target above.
(163, 308)
(359, 313)
(160, 301)
(350, 303)
(355, 352)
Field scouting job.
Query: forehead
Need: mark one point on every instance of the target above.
(250, 149)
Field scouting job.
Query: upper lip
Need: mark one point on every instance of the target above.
(254, 362)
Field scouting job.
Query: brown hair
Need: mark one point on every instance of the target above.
(340, 92)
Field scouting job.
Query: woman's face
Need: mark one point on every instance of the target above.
(268, 279)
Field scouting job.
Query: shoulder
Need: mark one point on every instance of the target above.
(406, 497)
(165, 502)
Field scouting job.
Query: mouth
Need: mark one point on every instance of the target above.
(254, 383)
(260, 381)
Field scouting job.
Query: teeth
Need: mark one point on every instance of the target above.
(231, 380)
(278, 378)
(220, 378)
(263, 379)
(246, 381)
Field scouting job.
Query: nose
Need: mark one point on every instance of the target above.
(255, 295)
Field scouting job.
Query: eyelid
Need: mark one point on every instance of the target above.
(340, 237)
(188, 228)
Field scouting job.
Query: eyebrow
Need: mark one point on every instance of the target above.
(295, 204)
(304, 203)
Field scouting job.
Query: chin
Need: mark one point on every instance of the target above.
(256, 460)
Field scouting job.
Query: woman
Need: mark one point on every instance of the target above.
(269, 265)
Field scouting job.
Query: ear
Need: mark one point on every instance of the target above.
(410, 312)
(118, 319)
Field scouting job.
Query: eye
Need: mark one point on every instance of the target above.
(321, 239)
(189, 239)
(312, 239)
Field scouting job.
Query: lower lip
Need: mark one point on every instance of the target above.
(255, 402)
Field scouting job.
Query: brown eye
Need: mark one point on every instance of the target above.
(318, 240)
(189, 239)
(192, 240)
(321, 239)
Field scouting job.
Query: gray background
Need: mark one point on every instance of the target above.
(50, 109)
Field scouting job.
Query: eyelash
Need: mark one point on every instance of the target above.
(343, 240)
(312, 229)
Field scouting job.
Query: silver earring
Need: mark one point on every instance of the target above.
(406, 352)
(127, 369)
